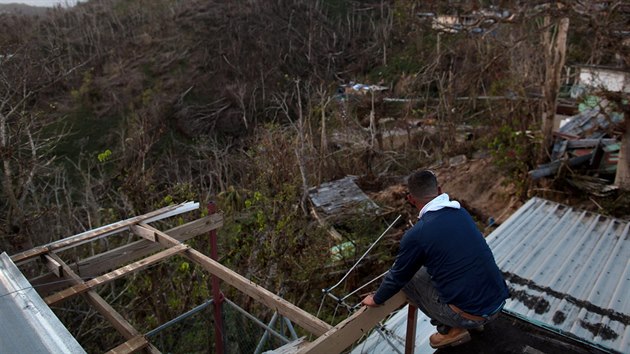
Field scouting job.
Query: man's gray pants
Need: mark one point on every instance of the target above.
(422, 294)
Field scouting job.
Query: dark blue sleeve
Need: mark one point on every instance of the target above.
(409, 259)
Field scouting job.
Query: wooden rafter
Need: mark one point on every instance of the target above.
(87, 236)
(304, 319)
(130, 346)
(105, 309)
(97, 264)
(111, 276)
(351, 329)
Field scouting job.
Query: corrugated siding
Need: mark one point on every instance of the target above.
(27, 324)
(568, 270)
(391, 338)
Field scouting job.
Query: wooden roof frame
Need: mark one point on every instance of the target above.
(156, 246)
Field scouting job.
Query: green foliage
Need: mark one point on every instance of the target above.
(104, 156)
(513, 152)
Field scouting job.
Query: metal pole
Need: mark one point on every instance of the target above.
(265, 335)
(217, 295)
(410, 340)
(258, 322)
(294, 335)
(178, 319)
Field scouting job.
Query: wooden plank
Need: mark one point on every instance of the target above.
(86, 236)
(158, 236)
(275, 303)
(97, 264)
(52, 265)
(130, 346)
(354, 327)
(291, 347)
(304, 319)
(111, 276)
(144, 233)
(117, 321)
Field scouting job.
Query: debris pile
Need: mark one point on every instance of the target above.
(588, 142)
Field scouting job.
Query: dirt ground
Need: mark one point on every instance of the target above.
(480, 188)
(476, 184)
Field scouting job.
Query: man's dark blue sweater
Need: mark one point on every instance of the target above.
(457, 257)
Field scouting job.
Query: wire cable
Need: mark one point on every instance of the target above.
(364, 254)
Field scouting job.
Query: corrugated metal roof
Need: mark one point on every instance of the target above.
(568, 270)
(27, 324)
(391, 338)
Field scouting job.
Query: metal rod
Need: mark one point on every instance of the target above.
(339, 301)
(364, 285)
(294, 335)
(364, 254)
(216, 291)
(265, 335)
(386, 337)
(179, 318)
(258, 322)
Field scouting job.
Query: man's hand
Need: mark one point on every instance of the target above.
(369, 301)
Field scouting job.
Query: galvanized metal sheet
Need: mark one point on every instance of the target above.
(591, 124)
(390, 338)
(568, 270)
(341, 196)
(27, 324)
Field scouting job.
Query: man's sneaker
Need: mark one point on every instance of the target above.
(455, 336)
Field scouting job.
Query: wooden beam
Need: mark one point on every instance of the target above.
(354, 327)
(275, 303)
(86, 236)
(52, 265)
(111, 276)
(292, 347)
(100, 305)
(304, 319)
(144, 233)
(97, 264)
(149, 232)
(130, 346)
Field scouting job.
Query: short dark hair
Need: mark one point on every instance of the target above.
(422, 184)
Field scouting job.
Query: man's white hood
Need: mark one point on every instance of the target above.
(439, 202)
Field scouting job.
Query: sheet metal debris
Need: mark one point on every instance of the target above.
(27, 324)
(587, 141)
(342, 196)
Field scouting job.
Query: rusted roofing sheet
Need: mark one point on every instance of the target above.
(569, 271)
(341, 196)
(27, 324)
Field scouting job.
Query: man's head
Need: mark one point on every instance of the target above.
(422, 187)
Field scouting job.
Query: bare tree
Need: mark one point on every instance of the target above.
(554, 42)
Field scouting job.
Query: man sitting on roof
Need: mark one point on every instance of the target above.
(444, 266)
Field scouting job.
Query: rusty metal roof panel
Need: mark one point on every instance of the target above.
(27, 324)
(568, 271)
(340, 196)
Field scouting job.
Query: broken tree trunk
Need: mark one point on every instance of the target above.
(554, 46)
